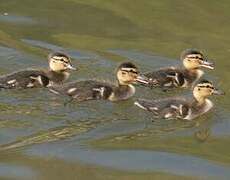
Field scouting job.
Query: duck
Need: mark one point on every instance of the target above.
(127, 74)
(58, 72)
(181, 107)
(175, 77)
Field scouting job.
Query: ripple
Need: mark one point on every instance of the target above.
(14, 171)
(52, 47)
(146, 60)
(14, 19)
(138, 160)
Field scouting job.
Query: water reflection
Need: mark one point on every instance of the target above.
(202, 135)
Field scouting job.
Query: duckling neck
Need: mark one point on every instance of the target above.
(200, 100)
(58, 76)
(125, 88)
(201, 105)
(196, 73)
(123, 91)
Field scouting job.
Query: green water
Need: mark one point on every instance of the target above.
(40, 138)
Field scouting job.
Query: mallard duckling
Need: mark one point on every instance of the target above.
(59, 64)
(172, 77)
(182, 108)
(127, 73)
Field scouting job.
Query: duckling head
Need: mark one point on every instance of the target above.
(204, 89)
(60, 62)
(194, 59)
(128, 73)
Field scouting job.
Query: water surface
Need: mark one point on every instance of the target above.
(41, 138)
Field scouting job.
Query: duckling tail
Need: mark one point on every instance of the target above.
(137, 103)
(147, 105)
(152, 83)
(53, 89)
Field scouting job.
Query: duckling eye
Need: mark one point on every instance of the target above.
(132, 71)
(200, 58)
(198, 89)
(123, 73)
(210, 87)
(63, 60)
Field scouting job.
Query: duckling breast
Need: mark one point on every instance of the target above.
(122, 92)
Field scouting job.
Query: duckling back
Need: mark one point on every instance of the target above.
(166, 78)
(24, 79)
(84, 90)
(166, 108)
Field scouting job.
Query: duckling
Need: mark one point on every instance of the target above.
(172, 77)
(127, 73)
(180, 107)
(59, 64)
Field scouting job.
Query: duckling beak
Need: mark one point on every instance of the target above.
(142, 79)
(218, 92)
(207, 64)
(70, 67)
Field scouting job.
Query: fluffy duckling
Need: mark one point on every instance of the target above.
(182, 108)
(127, 73)
(59, 64)
(172, 77)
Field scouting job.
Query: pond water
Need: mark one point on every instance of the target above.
(41, 138)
